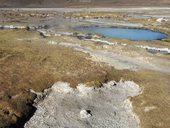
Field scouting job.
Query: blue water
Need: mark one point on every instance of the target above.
(123, 33)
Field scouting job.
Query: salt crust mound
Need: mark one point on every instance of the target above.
(87, 107)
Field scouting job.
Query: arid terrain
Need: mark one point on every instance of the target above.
(83, 3)
(40, 49)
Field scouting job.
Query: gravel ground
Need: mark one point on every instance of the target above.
(120, 61)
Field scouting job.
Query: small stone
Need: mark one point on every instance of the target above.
(114, 84)
(85, 113)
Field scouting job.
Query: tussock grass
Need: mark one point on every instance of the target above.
(34, 64)
(31, 63)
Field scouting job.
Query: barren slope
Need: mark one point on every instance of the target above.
(82, 3)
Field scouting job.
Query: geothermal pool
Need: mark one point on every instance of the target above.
(124, 33)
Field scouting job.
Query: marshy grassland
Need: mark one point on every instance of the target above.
(33, 64)
(29, 61)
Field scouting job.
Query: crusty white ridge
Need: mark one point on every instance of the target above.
(87, 107)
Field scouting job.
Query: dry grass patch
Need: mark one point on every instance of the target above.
(152, 106)
(37, 65)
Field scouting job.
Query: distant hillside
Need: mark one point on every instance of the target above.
(83, 3)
